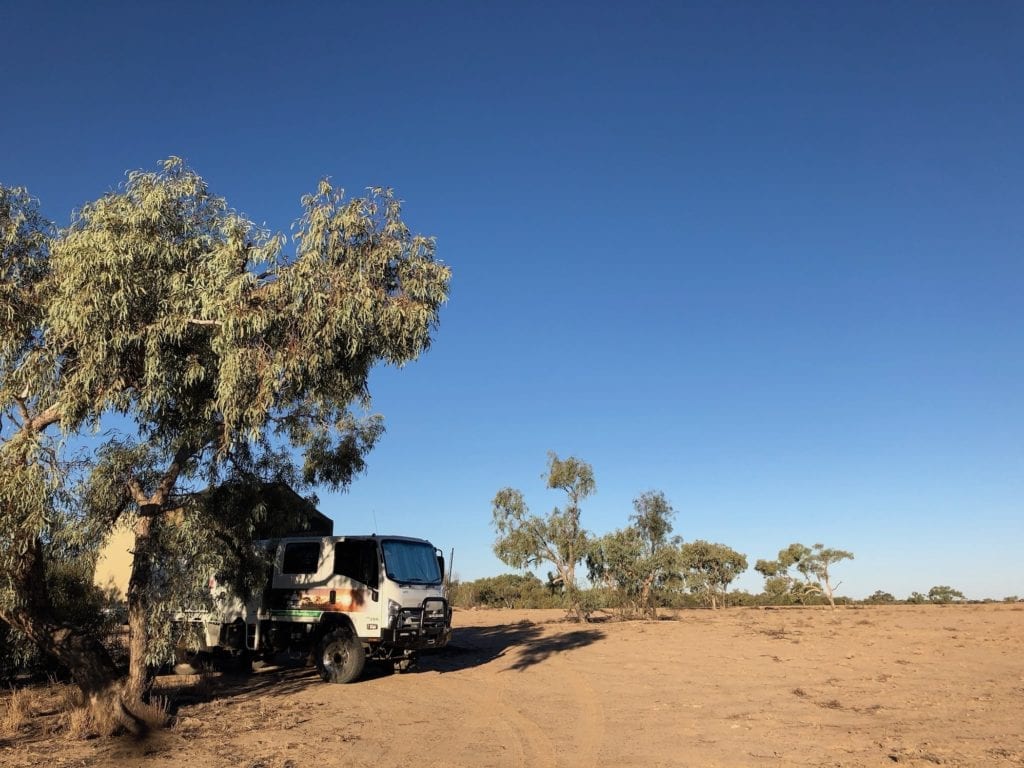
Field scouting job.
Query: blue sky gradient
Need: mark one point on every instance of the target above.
(763, 257)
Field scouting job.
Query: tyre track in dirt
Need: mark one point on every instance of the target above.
(572, 724)
(588, 730)
(498, 702)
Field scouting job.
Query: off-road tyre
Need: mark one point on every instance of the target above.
(340, 657)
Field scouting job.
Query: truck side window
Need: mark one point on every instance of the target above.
(301, 557)
(357, 560)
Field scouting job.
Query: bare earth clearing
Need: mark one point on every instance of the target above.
(904, 685)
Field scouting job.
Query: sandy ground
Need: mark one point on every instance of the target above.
(906, 685)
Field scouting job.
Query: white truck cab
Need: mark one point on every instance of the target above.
(345, 598)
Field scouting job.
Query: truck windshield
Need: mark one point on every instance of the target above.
(411, 562)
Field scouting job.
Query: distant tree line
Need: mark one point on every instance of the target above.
(636, 569)
(513, 590)
(633, 569)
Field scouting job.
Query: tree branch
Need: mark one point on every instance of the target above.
(166, 485)
(43, 420)
(152, 505)
(137, 494)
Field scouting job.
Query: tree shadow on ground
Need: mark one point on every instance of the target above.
(282, 680)
(524, 643)
(475, 646)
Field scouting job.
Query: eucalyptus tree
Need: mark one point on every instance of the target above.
(710, 568)
(525, 540)
(813, 563)
(231, 357)
(880, 597)
(778, 584)
(33, 499)
(945, 594)
(641, 557)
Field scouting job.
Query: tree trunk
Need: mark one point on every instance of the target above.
(139, 678)
(568, 574)
(85, 657)
(646, 608)
(828, 594)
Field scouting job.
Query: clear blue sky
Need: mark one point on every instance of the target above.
(765, 257)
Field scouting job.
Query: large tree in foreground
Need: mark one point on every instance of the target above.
(232, 361)
(526, 540)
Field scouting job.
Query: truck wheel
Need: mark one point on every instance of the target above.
(341, 657)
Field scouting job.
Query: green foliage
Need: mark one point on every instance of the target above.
(916, 598)
(710, 568)
(208, 335)
(234, 362)
(509, 590)
(525, 540)
(76, 602)
(945, 594)
(744, 599)
(880, 598)
(812, 563)
(638, 560)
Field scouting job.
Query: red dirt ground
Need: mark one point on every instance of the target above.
(874, 686)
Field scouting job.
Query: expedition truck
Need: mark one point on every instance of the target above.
(344, 599)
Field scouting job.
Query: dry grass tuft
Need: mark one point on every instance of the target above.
(104, 717)
(20, 706)
(88, 720)
(79, 723)
(155, 714)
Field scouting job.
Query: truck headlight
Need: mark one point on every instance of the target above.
(394, 608)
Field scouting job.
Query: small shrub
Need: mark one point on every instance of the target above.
(79, 723)
(18, 712)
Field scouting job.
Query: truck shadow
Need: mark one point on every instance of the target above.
(525, 644)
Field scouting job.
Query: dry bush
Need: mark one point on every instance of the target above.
(89, 720)
(155, 714)
(104, 717)
(69, 697)
(20, 706)
(79, 723)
